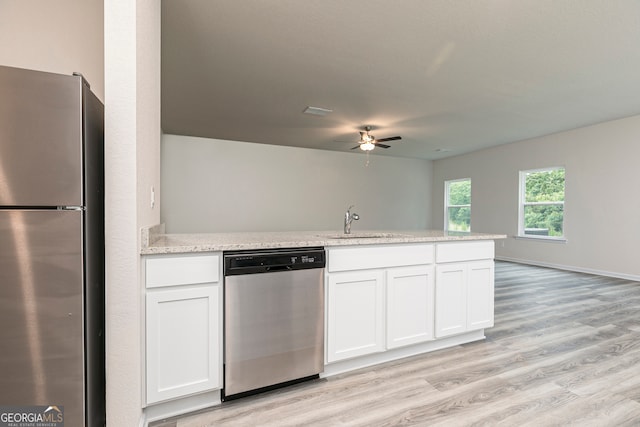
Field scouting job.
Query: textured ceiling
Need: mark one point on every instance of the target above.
(448, 76)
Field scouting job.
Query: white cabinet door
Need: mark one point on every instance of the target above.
(183, 341)
(410, 305)
(480, 294)
(355, 315)
(451, 299)
(464, 297)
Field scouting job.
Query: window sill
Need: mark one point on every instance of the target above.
(543, 239)
(457, 233)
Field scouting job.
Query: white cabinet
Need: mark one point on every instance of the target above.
(182, 338)
(378, 297)
(480, 294)
(464, 289)
(355, 314)
(451, 299)
(183, 325)
(410, 305)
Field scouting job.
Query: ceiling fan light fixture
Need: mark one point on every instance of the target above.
(365, 137)
(367, 146)
(368, 142)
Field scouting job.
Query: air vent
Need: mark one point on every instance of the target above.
(317, 111)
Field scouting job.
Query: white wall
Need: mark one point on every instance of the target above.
(61, 36)
(132, 134)
(213, 186)
(602, 206)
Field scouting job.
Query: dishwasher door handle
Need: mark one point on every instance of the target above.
(279, 268)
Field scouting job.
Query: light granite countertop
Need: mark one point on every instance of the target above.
(156, 241)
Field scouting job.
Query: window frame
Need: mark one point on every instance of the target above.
(522, 203)
(447, 184)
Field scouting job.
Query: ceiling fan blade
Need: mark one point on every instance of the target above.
(357, 146)
(382, 145)
(392, 138)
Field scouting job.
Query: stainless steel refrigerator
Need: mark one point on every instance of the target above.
(52, 245)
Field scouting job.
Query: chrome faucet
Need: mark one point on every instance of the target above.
(348, 218)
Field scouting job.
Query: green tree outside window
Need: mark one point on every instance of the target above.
(458, 205)
(543, 202)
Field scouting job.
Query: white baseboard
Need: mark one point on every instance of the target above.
(181, 406)
(347, 365)
(625, 276)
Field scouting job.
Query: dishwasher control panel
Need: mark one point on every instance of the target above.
(271, 260)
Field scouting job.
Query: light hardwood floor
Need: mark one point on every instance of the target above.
(565, 350)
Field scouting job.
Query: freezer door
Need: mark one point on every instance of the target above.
(40, 138)
(41, 311)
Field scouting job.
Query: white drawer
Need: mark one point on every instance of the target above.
(464, 251)
(172, 270)
(368, 257)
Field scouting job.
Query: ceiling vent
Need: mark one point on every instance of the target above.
(317, 111)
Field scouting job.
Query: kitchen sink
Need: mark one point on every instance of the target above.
(363, 235)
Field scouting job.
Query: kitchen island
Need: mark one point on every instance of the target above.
(388, 295)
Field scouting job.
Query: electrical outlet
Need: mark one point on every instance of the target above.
(153, 197)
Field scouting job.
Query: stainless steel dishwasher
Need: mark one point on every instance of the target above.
(273, 318)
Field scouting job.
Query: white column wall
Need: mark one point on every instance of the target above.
(132, 134)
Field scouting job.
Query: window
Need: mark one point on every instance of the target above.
(541, 212)
(457, 205)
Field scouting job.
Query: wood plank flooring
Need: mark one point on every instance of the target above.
(565, 350)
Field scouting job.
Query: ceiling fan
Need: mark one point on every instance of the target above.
(368, 142)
